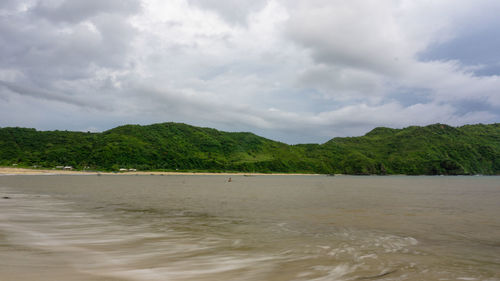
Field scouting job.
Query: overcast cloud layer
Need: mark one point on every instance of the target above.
(294, 71)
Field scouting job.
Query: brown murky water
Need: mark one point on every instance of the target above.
(253, 228)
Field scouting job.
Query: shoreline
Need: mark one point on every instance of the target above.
(11, 171)
(50, 172)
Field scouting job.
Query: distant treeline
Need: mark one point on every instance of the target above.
(432, 150)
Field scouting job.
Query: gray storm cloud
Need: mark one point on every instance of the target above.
(297, 71)
(77, 11)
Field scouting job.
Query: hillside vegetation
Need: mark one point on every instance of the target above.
(435, 149)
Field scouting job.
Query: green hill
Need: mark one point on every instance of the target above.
(434, 149)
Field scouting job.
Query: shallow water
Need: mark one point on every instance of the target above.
(253, 228)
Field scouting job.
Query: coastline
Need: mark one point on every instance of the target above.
(27, 171)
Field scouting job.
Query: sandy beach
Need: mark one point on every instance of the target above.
(26, 171)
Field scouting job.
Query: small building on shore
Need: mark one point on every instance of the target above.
(68, 168)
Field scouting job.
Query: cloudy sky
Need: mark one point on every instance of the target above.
(290, 70)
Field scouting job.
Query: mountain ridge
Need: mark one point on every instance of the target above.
(436, 149)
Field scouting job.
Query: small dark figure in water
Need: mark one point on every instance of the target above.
(6, 197)
(229, 180)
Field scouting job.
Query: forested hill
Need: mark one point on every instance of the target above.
(434, 149)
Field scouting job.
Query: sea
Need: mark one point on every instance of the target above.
(205, 227)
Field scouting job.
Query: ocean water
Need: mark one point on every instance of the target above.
(253, 228)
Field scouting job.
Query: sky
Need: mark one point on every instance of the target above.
(289, 70)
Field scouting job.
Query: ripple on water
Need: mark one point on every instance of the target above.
(148, 244)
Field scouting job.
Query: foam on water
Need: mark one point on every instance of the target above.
(120, 241)
(98, 246)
